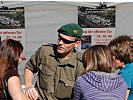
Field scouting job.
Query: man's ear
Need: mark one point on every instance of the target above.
(77, 44)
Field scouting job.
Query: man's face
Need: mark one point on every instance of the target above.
(66, 44)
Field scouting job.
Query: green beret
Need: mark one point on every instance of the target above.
(71, 29)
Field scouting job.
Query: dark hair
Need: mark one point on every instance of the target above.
(10, 51)
(122, 48)
(98, 58)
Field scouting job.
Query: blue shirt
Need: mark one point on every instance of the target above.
(127, 74)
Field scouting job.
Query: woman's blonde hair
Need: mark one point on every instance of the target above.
(98, 58)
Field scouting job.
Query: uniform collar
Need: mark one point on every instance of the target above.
(69, 62)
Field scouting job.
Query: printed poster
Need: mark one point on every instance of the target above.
(12, 24)
(98, 25)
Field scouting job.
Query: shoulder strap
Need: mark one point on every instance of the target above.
(5, 90)
(5, 93)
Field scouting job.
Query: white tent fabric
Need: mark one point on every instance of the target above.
(43, 18)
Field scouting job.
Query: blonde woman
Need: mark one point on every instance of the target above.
(99, 82)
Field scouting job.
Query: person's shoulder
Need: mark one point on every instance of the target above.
(47, 45)
(129, 66)
(126, 70)
(11, 73)
(47, 48)
(79, 55)
(81, 77)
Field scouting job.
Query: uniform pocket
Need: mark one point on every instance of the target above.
(46, 78)
(64, 89)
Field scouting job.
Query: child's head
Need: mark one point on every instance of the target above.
(98, 58)
(122, 49)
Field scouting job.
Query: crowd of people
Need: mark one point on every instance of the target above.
(101, 72)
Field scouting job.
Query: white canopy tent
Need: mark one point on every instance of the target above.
(43, 18)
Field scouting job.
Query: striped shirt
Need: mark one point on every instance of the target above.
(97, 86)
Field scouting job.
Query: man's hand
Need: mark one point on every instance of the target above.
(31, 93)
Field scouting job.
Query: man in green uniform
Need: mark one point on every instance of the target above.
(57, 66)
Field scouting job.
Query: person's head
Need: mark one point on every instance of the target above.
(10, 55)
(98, 58)
(69, 37)
(122, 49)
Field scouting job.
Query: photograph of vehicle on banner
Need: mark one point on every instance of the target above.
(98, 25)
(12, 24)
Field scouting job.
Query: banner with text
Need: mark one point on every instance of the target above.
(12, 24)
(98, 25)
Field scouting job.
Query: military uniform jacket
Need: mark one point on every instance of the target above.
(56, 76)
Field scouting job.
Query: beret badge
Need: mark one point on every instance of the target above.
(75, 31)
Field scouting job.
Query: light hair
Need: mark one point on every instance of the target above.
(98, 58)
